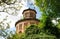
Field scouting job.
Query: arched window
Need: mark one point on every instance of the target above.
(16, 27)
(20, 26)
(27, 14)
(25, 25)
(31, 15)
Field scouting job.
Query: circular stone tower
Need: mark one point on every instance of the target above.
(29, 19)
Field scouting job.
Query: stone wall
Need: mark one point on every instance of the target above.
(20, 27)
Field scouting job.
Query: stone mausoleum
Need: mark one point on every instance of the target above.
(29, 19)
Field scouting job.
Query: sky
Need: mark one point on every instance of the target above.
(11, 19)
(20, 16)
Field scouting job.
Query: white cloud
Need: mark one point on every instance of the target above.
(13, 19)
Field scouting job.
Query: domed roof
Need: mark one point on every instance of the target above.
(29, 9)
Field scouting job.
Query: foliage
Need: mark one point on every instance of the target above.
(7, 1)
(58, 23)
(51, 29)
(3, 27)
(15, 36)
(32, 30)
(49, 7)
(50, 11)
(11, 7)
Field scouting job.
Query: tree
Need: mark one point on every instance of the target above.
(32, 30)
(16, 36)
(29, 33)
(49, 7)
(50, 11)
(11, 7)
(4, 27)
